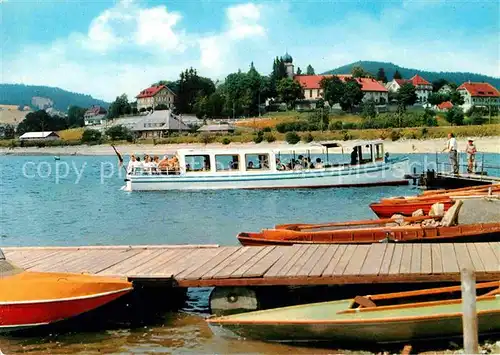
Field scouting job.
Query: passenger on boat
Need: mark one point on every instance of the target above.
(138, 165)
(354, 156)
(130, 165)
(319, 163)
(163, 164)
(471, 155)
(279, 165)
(148, 164)
(250, 165)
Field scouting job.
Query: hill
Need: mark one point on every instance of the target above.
(389, 68)
(18, 94)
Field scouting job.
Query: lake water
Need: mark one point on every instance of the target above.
(78, 201)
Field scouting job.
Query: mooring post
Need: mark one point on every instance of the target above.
(469, 317)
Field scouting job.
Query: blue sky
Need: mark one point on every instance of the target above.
(105, 48)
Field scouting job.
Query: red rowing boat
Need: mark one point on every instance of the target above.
(30, 299)
(387, 210)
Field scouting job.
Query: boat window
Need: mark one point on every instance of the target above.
(379, 152)
(257, 161)
(197, 163)
(227, 162)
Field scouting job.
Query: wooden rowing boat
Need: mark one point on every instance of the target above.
(469, 221)
(30, 299)
(395, 317)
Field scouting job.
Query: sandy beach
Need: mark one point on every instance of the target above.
(403, 146)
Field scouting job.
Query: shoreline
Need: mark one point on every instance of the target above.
(402, 146)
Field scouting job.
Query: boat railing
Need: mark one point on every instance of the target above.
(154, 171)
(479, 168)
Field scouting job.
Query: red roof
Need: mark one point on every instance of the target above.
(96, 110)
(312, 82)
(152, 91)
(480, 89)
(418, 80)
(400, 81)
(445, 105)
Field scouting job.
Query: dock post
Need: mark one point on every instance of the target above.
(469, 314)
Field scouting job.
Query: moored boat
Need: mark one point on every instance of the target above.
(260, 168)
(380, 318)
(30, 299)
(466, 221)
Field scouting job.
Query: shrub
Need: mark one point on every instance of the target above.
(395, 135)
(206, 138)
(424, 132)
(346, 135)
(455, 116)
(91, 136)
(269, 137)
(120, 132)
(292, 138)
(349, 125)
(477, 118)
(335, 126)
(258, 139)
(308, 138)
(226, 141)
(266, 129)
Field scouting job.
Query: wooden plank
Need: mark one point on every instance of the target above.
(396, 259)
(114, 257)
(251, 262)
(325, 259)
(260, 268)
(488, 256)
(314, 259)
(437, 260)
(24, 258)
(209, 274)
(176, 264)
(200, 262)
(138, 259)
(387, 259)
(450, 263)
(303, 260)
(405, 266)
(374, 259)
(82, 261)
(496, 249)
(212, 263)
(426, 264)
(161, 260)
(344, 260)
(288, 266)
(475, 257)
(416, 259)
(234, 265)
(33, 261)
(288, 254)
(339, 252)
(357, 260)
(58, 261)
(463, 257)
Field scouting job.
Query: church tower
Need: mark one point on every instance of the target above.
(288, 61)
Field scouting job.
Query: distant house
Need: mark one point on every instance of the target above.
(40, 136)
(423, 88)
(157, 124)
(154, 96)
(444, 106)
(371, 88)
(479, 94)
(445, 89)
(94, 115)
(217, 128)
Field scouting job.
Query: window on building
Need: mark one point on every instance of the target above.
(257, 161)
(197, 163)
(227, 162)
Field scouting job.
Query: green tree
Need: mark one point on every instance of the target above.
(120, 132)
(299, 71)
(381, 75)
(352, 95)
(289, 91)
(357, 71)
(333, 89)
(319, 119)
(438, 84)
(190, 87)
(215, 105)
(397, 75)
(310, 70)
(292, 138)
(436, 98)
(7, 131)
(406, 96)
(369, 110)
(91, 136)
(455, 116)
(201, 107)
(456, 99)
(119, 107)
(75, 116)
(41, 121)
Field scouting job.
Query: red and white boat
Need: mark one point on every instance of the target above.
(30, 299)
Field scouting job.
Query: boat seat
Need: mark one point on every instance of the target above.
(363, 302)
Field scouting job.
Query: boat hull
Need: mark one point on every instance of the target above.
(374, 175)
(387, 210)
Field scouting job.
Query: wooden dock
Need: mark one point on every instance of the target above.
(211, 265)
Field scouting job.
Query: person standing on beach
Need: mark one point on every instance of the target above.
(451, 147)
(471, 155)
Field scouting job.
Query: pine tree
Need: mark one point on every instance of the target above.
(310, 70)
(397, 75)
(381, 75)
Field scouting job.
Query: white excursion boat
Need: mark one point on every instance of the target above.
(259, 168)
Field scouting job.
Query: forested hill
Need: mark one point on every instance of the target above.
(389, 68)
(19, 94)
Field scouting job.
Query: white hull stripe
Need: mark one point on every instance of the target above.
(21, 326)
(96, 295)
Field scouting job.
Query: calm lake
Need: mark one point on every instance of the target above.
(77, 200)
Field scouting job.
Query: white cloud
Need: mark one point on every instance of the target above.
(244, 21)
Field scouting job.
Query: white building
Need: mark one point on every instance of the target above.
(154, 96)
(39, 136)
(479, 94)
(422, 87)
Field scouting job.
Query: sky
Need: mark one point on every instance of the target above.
(106, 48)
